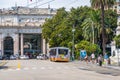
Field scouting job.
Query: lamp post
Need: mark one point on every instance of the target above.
(73, 47)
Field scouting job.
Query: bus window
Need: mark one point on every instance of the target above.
(63, 51)
(53, 52)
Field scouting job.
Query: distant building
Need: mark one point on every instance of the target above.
(115, 52)
(20, 30)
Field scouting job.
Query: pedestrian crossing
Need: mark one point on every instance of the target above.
(40, 68)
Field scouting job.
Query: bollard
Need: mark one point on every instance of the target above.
(18, 65)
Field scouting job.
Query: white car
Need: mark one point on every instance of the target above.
(41, 57)
(13, 57)
(24, 57)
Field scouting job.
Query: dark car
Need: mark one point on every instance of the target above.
(1, 57)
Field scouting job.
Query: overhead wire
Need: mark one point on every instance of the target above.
(45, 3)
(38, 1)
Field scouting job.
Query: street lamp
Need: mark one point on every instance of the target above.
(73, 30)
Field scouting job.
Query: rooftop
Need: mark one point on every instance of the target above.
(27, 10)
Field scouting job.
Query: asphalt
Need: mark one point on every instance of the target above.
(96, 65)
(112, 67)
(104, 69)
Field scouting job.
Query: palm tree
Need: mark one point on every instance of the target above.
(91, 27)
(102, 5)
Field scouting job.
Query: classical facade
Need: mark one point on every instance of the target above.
(20, 30)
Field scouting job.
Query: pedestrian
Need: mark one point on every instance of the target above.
(106, 59)
(100, 60)
(93, 57)
(109, 61)
(86, 58)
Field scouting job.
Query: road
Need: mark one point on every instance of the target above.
(46, 70)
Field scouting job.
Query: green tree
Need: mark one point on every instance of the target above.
(102, 5)
(117, 40)
(110, 25)
(75, 18)
(51, 28)
(91, 26)
(89, 47)
(58, 30)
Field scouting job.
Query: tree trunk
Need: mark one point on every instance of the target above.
(103, 28)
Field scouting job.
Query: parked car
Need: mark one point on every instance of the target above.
(6, 57)
(13, 57)
(24, 57)
(1, 57)
(17, 56)
(42, 57)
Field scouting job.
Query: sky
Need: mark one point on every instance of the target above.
(44, 3)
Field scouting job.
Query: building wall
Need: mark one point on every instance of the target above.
(22, 20)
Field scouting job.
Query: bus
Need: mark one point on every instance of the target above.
(59, 54)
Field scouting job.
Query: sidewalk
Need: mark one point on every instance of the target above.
(103, 65)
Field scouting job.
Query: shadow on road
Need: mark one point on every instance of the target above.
(3, 67)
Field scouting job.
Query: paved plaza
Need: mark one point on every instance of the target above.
(47, 70)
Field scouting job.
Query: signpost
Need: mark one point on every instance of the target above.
(83, 53)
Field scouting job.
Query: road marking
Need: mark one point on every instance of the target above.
(74, 67)
(42, 68)
(10, 69)
(34, 68)
(58, 68)
(18, 69)
(26, 68)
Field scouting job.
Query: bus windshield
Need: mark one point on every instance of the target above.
(63, 51)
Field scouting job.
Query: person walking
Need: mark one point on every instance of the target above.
(93, 58)
(100, 60)
(86, 58)
(106, 59)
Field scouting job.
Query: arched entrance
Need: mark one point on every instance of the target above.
(8, 46)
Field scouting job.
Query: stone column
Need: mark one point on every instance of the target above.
(16, 44)
(43, 46)
(21, 37)
(1, 45)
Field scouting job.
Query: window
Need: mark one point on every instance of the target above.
(52, 52)
(63, 51)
